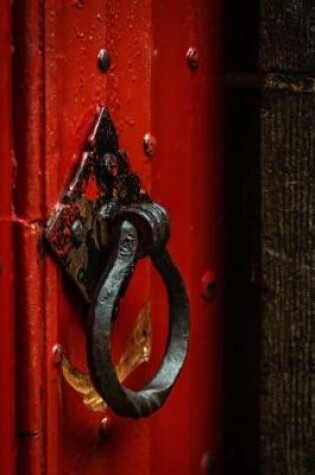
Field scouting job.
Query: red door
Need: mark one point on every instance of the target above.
(7, 426)
(163, 80)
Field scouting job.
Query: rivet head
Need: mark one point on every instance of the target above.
(209, 285)
(77, 231)
(149, 145)
(57, 351)
(111, 164)
(108, 211)
(208, 464)
(104, 60)
(106, 427)
(192, 57)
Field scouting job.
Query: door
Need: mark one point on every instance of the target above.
(161, 86)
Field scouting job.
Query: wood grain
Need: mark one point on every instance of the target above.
(284, 198)
(287, 158)
(287, 365)
(287, 138)
(287, 39)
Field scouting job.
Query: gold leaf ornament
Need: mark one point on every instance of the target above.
(137, 352)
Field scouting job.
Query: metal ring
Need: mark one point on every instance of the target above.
(122, 400)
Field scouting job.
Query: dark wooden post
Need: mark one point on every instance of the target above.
(287, 61)
(270, 248)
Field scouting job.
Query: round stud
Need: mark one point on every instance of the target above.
(192, 57)
(106, 427)
(111, 164)
(149, 145)
(78, 231)
(209, 285)
(57, 352)
(104, 60)
(208, 464)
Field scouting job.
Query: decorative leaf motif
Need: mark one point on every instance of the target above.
(137, 352)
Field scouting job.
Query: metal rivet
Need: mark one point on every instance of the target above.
(108, 211)
(104, 60)
(106, 427)
(111, 164)
(149, 145)
(208, 464)
(192, 57)
(209, 285)
(78, 231)
(57, 353)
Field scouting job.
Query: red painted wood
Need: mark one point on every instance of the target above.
(28, 77)
(74, 87)
(186, 121)
(149, 87)
(7, 394)
(28, 207)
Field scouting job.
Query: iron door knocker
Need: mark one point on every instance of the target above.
(98, 242)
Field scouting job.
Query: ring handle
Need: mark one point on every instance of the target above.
(121, 264)
(112, 228)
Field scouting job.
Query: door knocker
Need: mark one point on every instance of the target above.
(98, 242)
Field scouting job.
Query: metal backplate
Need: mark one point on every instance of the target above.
(81, 227)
